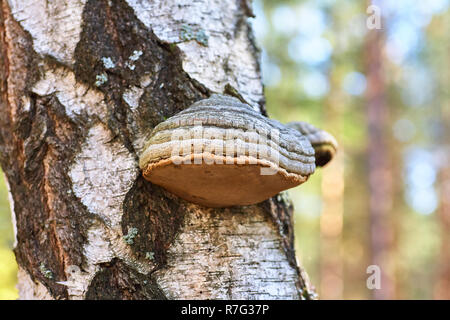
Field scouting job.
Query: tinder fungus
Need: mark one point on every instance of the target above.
(220, 152)
(324, 144)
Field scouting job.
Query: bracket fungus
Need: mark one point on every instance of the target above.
(324, 144)
(220, 152)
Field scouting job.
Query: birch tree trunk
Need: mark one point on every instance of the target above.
(83, 82)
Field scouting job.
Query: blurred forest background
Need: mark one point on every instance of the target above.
(384, 94)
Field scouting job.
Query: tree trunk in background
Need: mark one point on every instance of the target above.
(442, 287)
(331, 226)
(332, 216)
(379, 168)
(82, 85)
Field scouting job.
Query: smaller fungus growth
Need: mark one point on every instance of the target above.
(324, 144)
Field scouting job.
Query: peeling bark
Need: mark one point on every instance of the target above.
(81, 88)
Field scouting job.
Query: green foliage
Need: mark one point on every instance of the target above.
(8, 265)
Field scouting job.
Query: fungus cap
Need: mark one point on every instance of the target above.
(324, 144)
(220, 152)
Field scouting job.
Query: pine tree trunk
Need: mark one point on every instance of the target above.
(82, 84)
(379, 165)
(332, 216)
(442, 285)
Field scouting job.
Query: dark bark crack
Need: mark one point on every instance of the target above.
(117, 281)
(157, 215)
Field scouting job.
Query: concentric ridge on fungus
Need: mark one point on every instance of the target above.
(222, 148)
